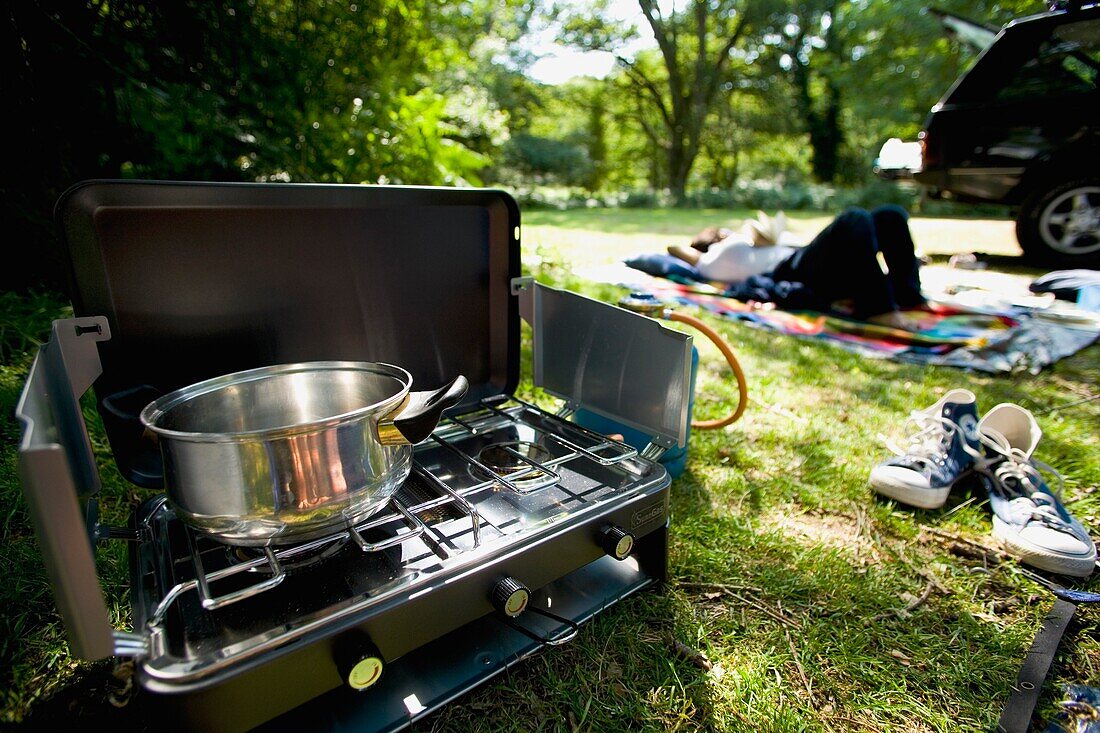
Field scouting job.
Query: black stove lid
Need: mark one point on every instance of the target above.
(203, 279)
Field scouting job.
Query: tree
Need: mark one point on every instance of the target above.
(592, 100)
(842, 59)
(306, 90)
(694, 47)
(807, 38)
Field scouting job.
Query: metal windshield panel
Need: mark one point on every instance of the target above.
(622, 365)
(57, 470)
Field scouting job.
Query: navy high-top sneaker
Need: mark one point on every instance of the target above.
(940, 451)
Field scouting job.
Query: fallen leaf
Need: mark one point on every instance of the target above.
(901, 657)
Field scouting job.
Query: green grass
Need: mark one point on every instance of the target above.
(594, 236)
(787, 573)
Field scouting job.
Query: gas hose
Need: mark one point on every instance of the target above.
(647, 304)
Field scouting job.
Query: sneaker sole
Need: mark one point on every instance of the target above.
(1080, 566)
(912, 495)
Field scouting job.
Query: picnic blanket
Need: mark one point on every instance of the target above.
(972, 328)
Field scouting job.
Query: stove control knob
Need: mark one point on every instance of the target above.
(616, 542)
(510, 597)
(358, 661)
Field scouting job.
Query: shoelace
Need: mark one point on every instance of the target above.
(1013, 463)
(1039, 507)
(930, 443)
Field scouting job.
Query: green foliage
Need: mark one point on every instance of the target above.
(415, 151)
(674, 88)
(266, 90)
(807, 76)
(640, 200)
(546, 160)
(432, 92)
(766, 194)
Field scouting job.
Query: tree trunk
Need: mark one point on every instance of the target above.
(823, 125)
(822, 115)
(679, 166)
(826, 137)
(597, 145)
(693, 78)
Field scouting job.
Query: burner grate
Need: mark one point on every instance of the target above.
(425, 501)
(522, 466)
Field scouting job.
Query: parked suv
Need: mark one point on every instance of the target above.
(1020, 127)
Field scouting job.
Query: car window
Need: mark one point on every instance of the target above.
(1068, 62)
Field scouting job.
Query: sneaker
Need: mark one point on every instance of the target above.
(938, 454)
(1028, 517)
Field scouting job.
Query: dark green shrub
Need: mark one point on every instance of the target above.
(880, 193)
(640, 200)
(546, 160)
(713, 198)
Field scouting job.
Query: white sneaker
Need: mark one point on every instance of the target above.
(1028, 517)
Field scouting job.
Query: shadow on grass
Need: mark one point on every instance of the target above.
(825, 619)
(756, 631)
(1010, 264)
(622, 672)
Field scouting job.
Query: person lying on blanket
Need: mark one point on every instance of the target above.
(722, 255)
(762, 263)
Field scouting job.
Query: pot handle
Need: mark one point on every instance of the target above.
(419, 413)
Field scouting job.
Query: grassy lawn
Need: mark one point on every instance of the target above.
(797, 599)
(599, 236)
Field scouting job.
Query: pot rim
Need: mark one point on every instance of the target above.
(161, 406)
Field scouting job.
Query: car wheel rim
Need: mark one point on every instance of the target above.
(1070, 223)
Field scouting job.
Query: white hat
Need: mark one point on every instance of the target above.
(766, 229)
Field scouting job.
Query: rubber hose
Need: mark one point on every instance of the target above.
(742, 385)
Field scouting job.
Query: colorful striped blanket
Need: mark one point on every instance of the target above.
(997, 339)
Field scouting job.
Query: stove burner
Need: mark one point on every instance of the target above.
(503, 458)
(414, 491)
(289, 560)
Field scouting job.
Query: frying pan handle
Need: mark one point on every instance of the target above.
(420, 413)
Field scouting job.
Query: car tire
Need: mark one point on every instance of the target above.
(1059, 224)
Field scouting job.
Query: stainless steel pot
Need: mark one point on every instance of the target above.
(288, 453)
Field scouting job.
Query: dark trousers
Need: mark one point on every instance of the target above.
(841, 262)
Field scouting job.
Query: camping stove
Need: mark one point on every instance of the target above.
(515, 526)
(460, 541)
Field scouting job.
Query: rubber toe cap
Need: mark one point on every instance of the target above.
(886, 475)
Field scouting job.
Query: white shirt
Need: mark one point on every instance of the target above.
(734, 259)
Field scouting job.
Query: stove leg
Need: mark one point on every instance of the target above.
(652, 554)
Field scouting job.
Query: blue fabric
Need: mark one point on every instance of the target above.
(786, 294)
(664, 265)
(1065, 284)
